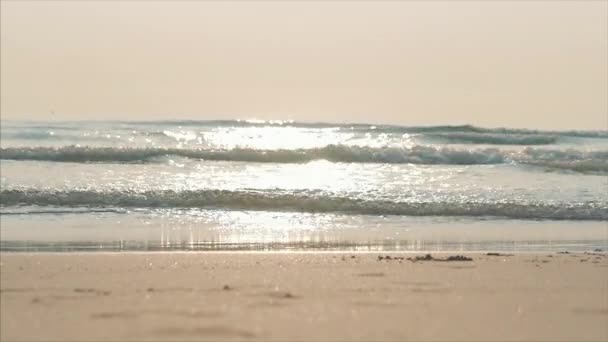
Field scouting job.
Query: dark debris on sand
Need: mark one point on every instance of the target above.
(458, 258)
(498, 254)
(429, 257)
(597, 252)
(388, 258)
(426, 257)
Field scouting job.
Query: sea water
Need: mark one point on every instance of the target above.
(281, 185)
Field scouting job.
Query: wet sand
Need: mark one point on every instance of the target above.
(302, 296)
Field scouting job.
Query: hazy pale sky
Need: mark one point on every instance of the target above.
(497, 63)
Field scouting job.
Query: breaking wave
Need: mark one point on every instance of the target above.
(572, 160)
(334, 153)
(237, 200)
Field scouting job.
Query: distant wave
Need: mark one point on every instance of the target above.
(595, 162)
(159, 126)
(235, 200)
(494, 138)
(582, 166)
(442, 137)
(564, 155)
(507, 131)
(33, 135)
(383, 128)
(573, 160)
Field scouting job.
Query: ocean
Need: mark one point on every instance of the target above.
(283, 185)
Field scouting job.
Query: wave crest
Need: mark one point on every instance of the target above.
(594, 162)
(494, 139)
(237, 200)
(334, 153)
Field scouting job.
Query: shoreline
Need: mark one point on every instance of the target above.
(322, 296)
(487, 252)
(260, 231)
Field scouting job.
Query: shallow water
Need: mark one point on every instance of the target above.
(284, 185)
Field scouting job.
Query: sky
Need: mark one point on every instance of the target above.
(535, 64)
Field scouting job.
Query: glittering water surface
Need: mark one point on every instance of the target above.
(286, 185)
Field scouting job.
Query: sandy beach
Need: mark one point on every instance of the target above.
(303, 296)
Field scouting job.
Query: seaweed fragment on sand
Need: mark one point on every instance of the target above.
(429, 257)
(458, 258)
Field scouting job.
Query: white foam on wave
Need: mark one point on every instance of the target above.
(334, 153)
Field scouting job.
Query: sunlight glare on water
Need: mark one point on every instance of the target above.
(283, 182)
